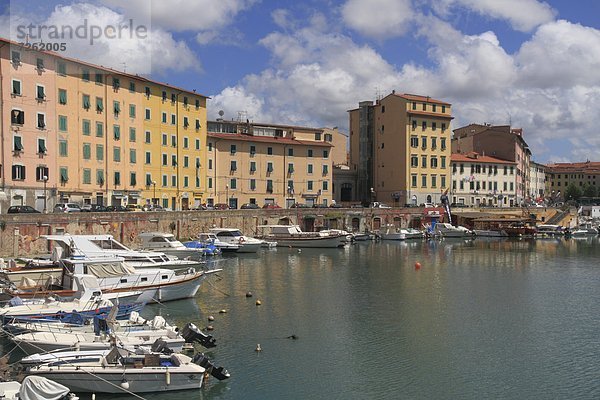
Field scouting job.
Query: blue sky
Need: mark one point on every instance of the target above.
(529, 62)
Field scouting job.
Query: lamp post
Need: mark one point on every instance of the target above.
(289, 194)
(154, 194)
(372, 195)
(227, 194)
(45, 179)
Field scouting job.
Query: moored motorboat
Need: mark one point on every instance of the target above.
(447, 230)
(246, 244)
(391, 232)
(167, 243)
(209, 239)
(293, 236)
(35, 388)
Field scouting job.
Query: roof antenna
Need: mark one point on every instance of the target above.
(124, 64)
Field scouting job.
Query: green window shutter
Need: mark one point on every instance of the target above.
(100, 177)
(63, 148)
(99, 152)
(132, 179)
(62, 123)
(148, 180)
(290, 168)
(116, 107)
(42, 146)
(62, 96)
(252, 184)
(197, 104)
(64, 175)
(310, 168)
(132, 135)
(252, 166)
(117, 178)
(87, 176)
(132, 156)
(85, 75)
(197, 124)
(99, 104)
(40, 93)
(18, 144)
(325, 169)
(87, 151)
(270, 186)
(197, 163)
(117, 132)
(132, 110)
(99, 129)
(117, 154)
(16, 87)
(269, 167)
(86, 102)
(86, 127)
(186, 122)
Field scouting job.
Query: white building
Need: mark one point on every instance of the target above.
(537, 181)
(483, 180)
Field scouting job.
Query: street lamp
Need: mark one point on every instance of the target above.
(45, 179)
(289, 195)
(372, 195)
(227, 194)
(154, 195)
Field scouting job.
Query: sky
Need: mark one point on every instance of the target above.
(528, 63)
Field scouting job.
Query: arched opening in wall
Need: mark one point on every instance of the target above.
(355, 224)
(376, 223)
(429, 198)
(284, 221)
(397, 222)
(308, 223)
(332, 223)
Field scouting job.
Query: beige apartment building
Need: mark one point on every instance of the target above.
(78, 132)
(560, 175)
(400, 149)
(258, 163)
(479, 180)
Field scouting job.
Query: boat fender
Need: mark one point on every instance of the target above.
(168, 377)
(242, 240)
(131, 236)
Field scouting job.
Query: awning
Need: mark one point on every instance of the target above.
(309, 196)
(309, 216)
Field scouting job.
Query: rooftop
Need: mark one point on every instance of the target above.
(474, 157)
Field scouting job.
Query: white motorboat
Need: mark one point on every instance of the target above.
(292, 236)
(96, 246)
(246, 244)
(549, 230)
(211, 239)
(490, 233)
(361, 236)
(392, 233)
(167, 243)
(348, 236)
(35, 388)
(120, 371)
(444, 229)
(412, 233)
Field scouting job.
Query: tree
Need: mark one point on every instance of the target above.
(572, 192)
(590, 191)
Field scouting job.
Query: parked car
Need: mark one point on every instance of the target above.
(336, 205)
(271, 206)
(377, 204)
(134, 207)
(21, 210)
(117, 208)
(249, 206)
(93, 208)
(153, 207)
(221, 206)
(67, 207)
(300, 205)
(319, 205)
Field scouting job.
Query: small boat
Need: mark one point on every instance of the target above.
(206, 239)
(168, 244)
(490, 233)
(293, 236)
(35, 388)
(348, 236)
(246, 244)
(550, 230)
(518, 229)
(120, 371)
(412, 233)
(392, 233)
(360, 237)
(444, 229)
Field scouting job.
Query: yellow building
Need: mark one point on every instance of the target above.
(100, 136)
(400, 149)
(267, 164)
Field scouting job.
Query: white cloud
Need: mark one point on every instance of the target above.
(523, 15)
(378, 18)
(232, 100)
(153, 51)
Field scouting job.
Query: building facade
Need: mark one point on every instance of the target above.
(267, 164)
(501, 142)
(78, 132)
(537, 182)
(400, 149)
(479, 180)
(560, 175)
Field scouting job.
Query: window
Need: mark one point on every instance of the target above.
(116, 154)
(173, 180)
(18, 172)
(317, 136)
(512, 170)
(309, 168)
(63, 148)
(443, 161)
(116, 83)
(197, 144)
(164, 139)
(132, 135)
(325, 185)
(17, 117)
(85, 101)
(186, 181)
(87, 151)
(99, 152)
(433, 126)
(165, 181)
(173, 141)
(325, 154)
(62, 123)
(423, 142)
(99, 79)
(424, 106)
(186, 142)
(186, 122)
(117, 178)
(132, 87)
(132, 111)
(87, 176)
(233, 166)
(252, 166)
(132, 179)
(173, 119)
(132, 156)
(86, 127)
(42, 149)
(290, 152)
(173, 160)
(252, 150)
(233, 183)
(269, 186)
(61, 68)
(198, 126)
(99, 129)
(99, 104)
(414, 141)
(40, 93)
(100, 177)
(62, 96)
(462, 168)
(17, 144)
(148, 179)
(16, 87)
(423, 181)
(210, 183)
(310, 153)
(198, 163)
(414, 105)
(64, 174)
(269, 167)
(424, 161)
(433, 181)
(443, 126)
(148, 158)
(185, 101)
(210, 164)
(147, 90)
(414, 124)
(433, 143)
(512, 186)
(433, 162)
(117, 132)
(164, 117)
(505, 170)
(252, 184)
(148, 138)
(424, 125)
(39, 64)
(165, 159)
(414, 161)
(197, 104)
(290, 169)
(41, 121)
(444, 109)
(269, 151)
(325, 169)
(164, 96)
(443, 143)
(232, 149)
(309, 185)
(433, 107)
(186, 162)
(173, 98)
(148, 114)
(413, 180)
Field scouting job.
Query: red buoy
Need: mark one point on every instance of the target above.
(417, 265)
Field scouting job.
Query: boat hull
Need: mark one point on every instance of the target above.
(321, 242)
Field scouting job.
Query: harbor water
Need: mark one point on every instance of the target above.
(495, 318)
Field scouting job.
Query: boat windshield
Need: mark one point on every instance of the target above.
(109, 245)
